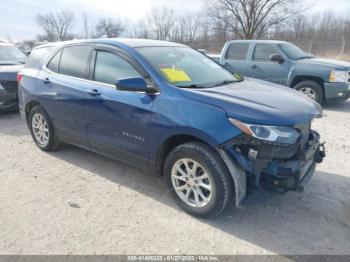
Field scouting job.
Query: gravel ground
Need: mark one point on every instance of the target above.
(76, 202)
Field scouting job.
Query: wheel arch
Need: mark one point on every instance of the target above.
(29, 106)
(238, 176)
(168, 145)
(300, 78)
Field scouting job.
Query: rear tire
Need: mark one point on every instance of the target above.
(198, 179)
(42, 130)
(311, 89)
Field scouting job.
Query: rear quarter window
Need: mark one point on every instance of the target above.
(38, 56)
(237, 51)
(54, 62)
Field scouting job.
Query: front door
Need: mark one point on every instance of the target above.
(261, 67)
(118, 122)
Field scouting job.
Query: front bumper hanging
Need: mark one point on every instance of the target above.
(276, 167)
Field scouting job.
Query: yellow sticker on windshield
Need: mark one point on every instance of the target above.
(175, 75)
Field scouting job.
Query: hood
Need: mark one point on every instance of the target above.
(326, 62)
(9, 72)
(259, 102)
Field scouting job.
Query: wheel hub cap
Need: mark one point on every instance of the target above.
(191, 182)
(308, 91)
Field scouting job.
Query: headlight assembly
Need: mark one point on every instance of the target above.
(279, 134)
(338, 76)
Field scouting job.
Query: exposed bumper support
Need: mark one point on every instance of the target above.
(278, 168)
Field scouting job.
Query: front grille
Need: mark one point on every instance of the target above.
(10, 86)
(285, 171)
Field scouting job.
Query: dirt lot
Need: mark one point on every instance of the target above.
(76, 202)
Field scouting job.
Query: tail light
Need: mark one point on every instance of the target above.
(19, 77)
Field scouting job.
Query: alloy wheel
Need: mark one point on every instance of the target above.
(191, 182)
(40, 129)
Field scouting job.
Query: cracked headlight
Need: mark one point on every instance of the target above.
(279, 134)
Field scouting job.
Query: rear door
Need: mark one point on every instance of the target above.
(62, 88)
(118, 121)
(235, 57)
(262, 67)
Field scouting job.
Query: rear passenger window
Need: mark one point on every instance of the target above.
(110, 67)
(263, 52)
(74, 61)
(237, 51)
(54, 62)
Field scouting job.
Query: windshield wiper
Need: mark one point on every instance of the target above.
(226, 82)
(305, 57)
(192, 86)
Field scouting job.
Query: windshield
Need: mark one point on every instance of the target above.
(11, 55)
(294, 52)
(185, 67)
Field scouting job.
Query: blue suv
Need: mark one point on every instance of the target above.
(173, 112)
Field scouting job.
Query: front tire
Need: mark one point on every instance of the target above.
(198, 179)
(311, 89)
(42, 130)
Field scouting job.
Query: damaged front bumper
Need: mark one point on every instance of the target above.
(275, 166)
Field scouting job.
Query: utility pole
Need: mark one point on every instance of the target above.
(310, 46)
(342, 47)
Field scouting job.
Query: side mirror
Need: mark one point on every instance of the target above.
(277, 58)
(134, 84)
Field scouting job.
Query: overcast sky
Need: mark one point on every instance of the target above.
(17, 16)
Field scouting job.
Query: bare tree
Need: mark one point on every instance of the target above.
(161, 21)
(56, 26)
(45, 22)
(137, 30)
(109, 27)
(186, 28)
(252, 18)
(86, 27)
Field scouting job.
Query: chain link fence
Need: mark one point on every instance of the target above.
(336, 50)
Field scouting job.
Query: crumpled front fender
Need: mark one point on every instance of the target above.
(238, 176)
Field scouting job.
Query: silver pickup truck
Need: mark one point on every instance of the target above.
(323, 80)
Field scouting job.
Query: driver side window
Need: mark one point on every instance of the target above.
(109, 67)
(262, 52)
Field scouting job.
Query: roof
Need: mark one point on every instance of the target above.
(136, 42)
(258, 41)
(131, 42)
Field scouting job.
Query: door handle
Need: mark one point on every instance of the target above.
(93, 92)
(254, 67)
(46, 80)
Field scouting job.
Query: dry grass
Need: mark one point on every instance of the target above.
(345, 57)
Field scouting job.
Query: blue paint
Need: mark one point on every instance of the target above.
(136, 124)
